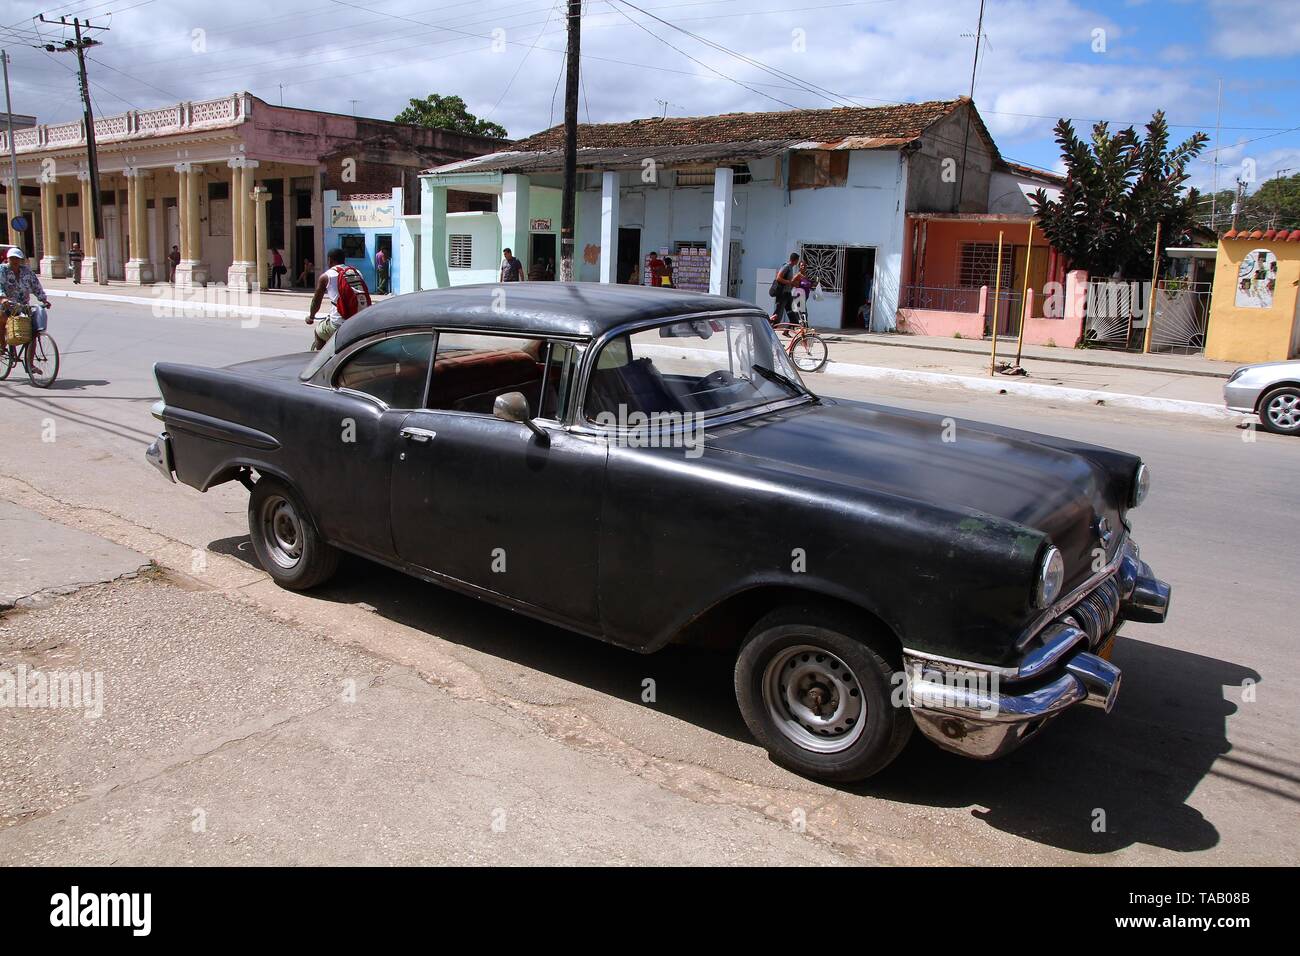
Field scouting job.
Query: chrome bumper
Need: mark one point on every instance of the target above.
(985, 711)
(159, 454)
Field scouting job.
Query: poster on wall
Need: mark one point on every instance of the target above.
(362, 214)
(1257, 280)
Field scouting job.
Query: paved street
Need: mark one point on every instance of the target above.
(382, 719)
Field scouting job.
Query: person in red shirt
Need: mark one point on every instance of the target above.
(656, 267)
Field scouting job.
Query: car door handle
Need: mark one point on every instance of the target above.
(418, 434)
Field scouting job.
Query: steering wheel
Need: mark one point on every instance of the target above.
(719, 378)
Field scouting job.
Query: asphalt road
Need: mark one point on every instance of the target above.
(1199, 763)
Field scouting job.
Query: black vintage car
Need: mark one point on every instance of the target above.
(645, 466)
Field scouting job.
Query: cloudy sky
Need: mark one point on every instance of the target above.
(1116, 60)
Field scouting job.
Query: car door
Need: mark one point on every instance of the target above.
(345, 446)
(488, 502)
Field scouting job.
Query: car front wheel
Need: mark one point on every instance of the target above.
(284, 538)
(1279, 411)
(815, 689)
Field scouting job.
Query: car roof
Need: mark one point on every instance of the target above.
(581, 309)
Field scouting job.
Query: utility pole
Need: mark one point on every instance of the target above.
(1218, 137)
(965, 139)
(88, 113)
(570, 140)
(17, 204)
(1236, 203)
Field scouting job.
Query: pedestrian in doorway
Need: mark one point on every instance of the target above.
(173, 260)
(277, 268)
(75, 258)
(537, 271)
(512, 270)
(307, 277)
(381, 271)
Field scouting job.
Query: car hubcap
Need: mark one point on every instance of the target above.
(814, 699)
(1284, 411)
(282, 531)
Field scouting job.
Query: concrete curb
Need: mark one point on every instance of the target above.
(1064, 359)
(1052, 393)
(1057, 393)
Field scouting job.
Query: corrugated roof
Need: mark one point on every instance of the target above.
(904, 122)
(728, 137)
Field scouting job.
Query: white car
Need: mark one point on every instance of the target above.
(1271, 390)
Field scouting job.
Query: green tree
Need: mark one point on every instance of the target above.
(1274, 205)
(1118, 188)
(448, 112)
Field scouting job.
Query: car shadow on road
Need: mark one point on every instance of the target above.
(1096, 783)
(1091, 783)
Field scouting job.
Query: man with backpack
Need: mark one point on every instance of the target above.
(347, 293)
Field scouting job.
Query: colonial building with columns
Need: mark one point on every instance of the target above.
(222, 180)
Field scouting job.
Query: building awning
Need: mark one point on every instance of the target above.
(616, 158)
(1191, 252)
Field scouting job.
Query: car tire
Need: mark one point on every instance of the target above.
(816, 688)
(1279, 411)
(285, 539)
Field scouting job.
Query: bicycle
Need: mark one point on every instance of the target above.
(806, 348)
(39, 356)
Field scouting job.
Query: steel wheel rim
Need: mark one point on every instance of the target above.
(814, 699)
(1284, 411)
(802, 352)
(282, 531)
(48, 361)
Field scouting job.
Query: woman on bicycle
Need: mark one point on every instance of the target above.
(18, 284)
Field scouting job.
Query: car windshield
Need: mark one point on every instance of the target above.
(318, 361)
(711, 366)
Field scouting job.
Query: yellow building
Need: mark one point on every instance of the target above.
(1255, 313)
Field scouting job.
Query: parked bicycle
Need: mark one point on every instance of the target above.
(37, 352)
(806, 348)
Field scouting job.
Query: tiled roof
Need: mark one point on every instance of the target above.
(1033, 172)
(903, 122)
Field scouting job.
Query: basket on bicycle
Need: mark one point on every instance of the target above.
(18, 328)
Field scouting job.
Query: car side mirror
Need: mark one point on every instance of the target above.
(513, 407)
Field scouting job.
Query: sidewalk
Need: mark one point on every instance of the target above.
(1155, 362)
(1167, 383)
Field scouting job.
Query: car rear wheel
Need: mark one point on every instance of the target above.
(284, 538)
(1279, 411)
(815, 689)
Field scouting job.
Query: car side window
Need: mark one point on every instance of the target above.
(393, 370)
(471, 370)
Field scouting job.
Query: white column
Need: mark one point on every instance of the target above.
(513, 213)
(720, 240)
(191, 271)
(433, 236)
(609, 227)
(240, 274)
(89, 267)
(51, 265)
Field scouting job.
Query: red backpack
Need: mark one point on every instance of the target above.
(354, 295)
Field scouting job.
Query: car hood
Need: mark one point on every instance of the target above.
(1059, 488)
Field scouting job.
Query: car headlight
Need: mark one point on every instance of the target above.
(1051, 575)
(1141, 485)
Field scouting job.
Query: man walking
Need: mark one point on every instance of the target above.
(784, 290)
(512, 270)
(75, 258)
(381, 271)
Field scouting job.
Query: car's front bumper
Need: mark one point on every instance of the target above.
(1241, 398)
(985, 711)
